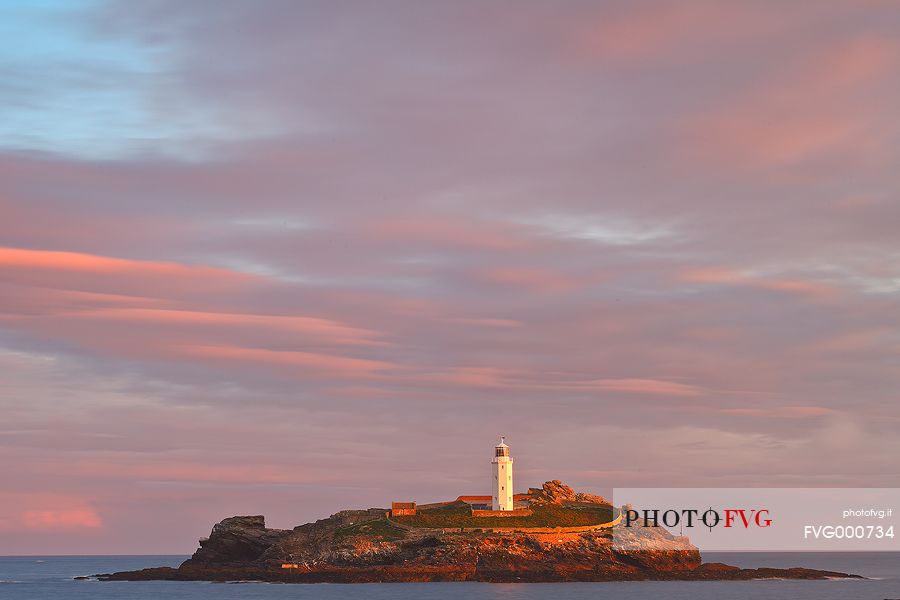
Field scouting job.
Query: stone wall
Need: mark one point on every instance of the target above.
(544, 530)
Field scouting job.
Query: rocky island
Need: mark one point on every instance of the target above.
(553, 535)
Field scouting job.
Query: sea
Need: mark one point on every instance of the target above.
(51, 578)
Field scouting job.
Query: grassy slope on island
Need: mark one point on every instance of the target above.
(457, 514)
(377, 529)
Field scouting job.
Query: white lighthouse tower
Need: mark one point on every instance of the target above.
(502, 497)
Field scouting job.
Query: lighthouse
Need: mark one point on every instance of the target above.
(501, 465)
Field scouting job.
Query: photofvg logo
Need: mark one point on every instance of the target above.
(690, 518)
(759, 519)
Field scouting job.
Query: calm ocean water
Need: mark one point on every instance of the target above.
(50, 577)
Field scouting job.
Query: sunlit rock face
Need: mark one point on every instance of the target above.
(556, 492)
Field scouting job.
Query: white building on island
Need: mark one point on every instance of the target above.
(502, 465)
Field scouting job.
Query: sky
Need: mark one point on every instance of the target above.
(288, 258)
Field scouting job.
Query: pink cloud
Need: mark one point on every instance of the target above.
(665, 31)
(486, 322)
(89, 263)
(46, 511)
(645, 386)
(191, 471)
(768, 140)
(788, 412)
(478, 377)
(857, 61)
(103, 274)
(535, 280)
(63, 518)
(310, 326)
(861, 341)
(726, 276)
(810, 289)
(711, 275)
(108, 320)
(307, 362)
(637, 34)
(823, 103)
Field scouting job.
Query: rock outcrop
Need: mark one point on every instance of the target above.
(366, 546)
(556, 492)
(236, 540)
